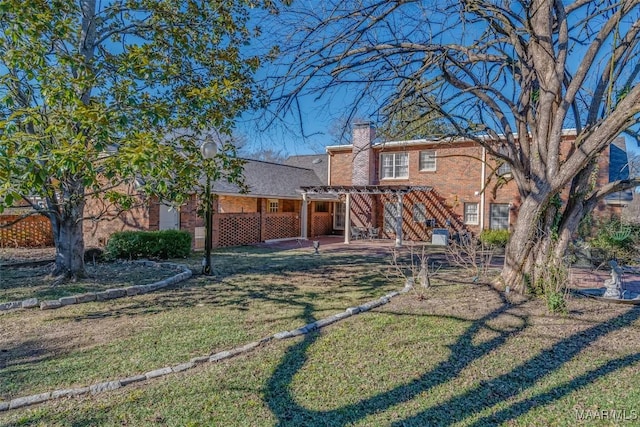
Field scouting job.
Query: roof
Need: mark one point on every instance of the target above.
(432, 141)
(266, 179)
(316, 162)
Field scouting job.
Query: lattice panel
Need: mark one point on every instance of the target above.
(321, 224)
(237, 230)
(281, 225)
(29, 232)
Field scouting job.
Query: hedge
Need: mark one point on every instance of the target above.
(148, 244)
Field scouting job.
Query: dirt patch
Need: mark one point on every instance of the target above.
(22, 255)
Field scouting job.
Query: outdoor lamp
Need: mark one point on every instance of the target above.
(208, 150)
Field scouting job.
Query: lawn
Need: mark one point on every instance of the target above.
(464, 355)
(35, 281)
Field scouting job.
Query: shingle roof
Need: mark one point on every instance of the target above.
(266, 179)
(315, 162)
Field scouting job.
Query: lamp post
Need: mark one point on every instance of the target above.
(208, 150)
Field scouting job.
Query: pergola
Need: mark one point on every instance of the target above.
(397, 191)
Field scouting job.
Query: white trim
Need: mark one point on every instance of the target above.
(394, 154)
(435, 160)
(477, 213)
(483, 177)
(448, 140)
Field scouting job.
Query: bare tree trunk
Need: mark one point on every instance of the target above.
(538, 243)
(69, 249)
(531, 242)
(68, 237)
(517, 261)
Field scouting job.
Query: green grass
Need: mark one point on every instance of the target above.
(464, 356)
(34, 282)
(257, 294)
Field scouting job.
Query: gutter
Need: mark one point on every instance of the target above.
(483, 184)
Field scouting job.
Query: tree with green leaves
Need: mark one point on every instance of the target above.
(95, 96)
(510, 75)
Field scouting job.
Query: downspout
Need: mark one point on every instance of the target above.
(304, 215)
(483, 178)
(329, 167)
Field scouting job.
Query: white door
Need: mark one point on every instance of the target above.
(169, 218)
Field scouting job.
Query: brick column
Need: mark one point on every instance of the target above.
(363, 136)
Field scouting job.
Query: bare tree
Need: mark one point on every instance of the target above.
(511, 75)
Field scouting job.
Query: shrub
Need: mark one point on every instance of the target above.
(494, 238)
(615, 240)
(148, 244)
(551, 284)
(93, 255)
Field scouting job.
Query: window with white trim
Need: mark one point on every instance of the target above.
(471, 214)
(428, 161)
(272, 205)
(394, 165)
(499, 216)
(419, 212)
(503, 169)
(390, 215)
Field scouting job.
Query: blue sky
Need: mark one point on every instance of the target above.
(311, 131)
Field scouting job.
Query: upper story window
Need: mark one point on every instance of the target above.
(428, 161)
(394, 165)
(503, 169)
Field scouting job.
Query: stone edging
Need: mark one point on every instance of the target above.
(20, 402)
(184, 274)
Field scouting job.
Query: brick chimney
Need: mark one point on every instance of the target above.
(363, 136)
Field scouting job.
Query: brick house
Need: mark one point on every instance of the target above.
(437, 184)
(403, 189)
(272, 209)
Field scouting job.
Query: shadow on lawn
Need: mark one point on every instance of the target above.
(300, 279)
(483, 396)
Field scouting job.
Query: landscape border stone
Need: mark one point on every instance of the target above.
(216, 357)
(183, 274)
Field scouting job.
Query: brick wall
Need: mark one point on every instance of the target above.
(457, 179)
(108, 219)
(32, 231)
(363, 210)
(363, 135)
(341, 164)
(238, 204)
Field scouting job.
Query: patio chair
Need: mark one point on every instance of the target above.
(356, 233)
(374, 232)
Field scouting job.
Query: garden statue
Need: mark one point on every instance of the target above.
(614, 284)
